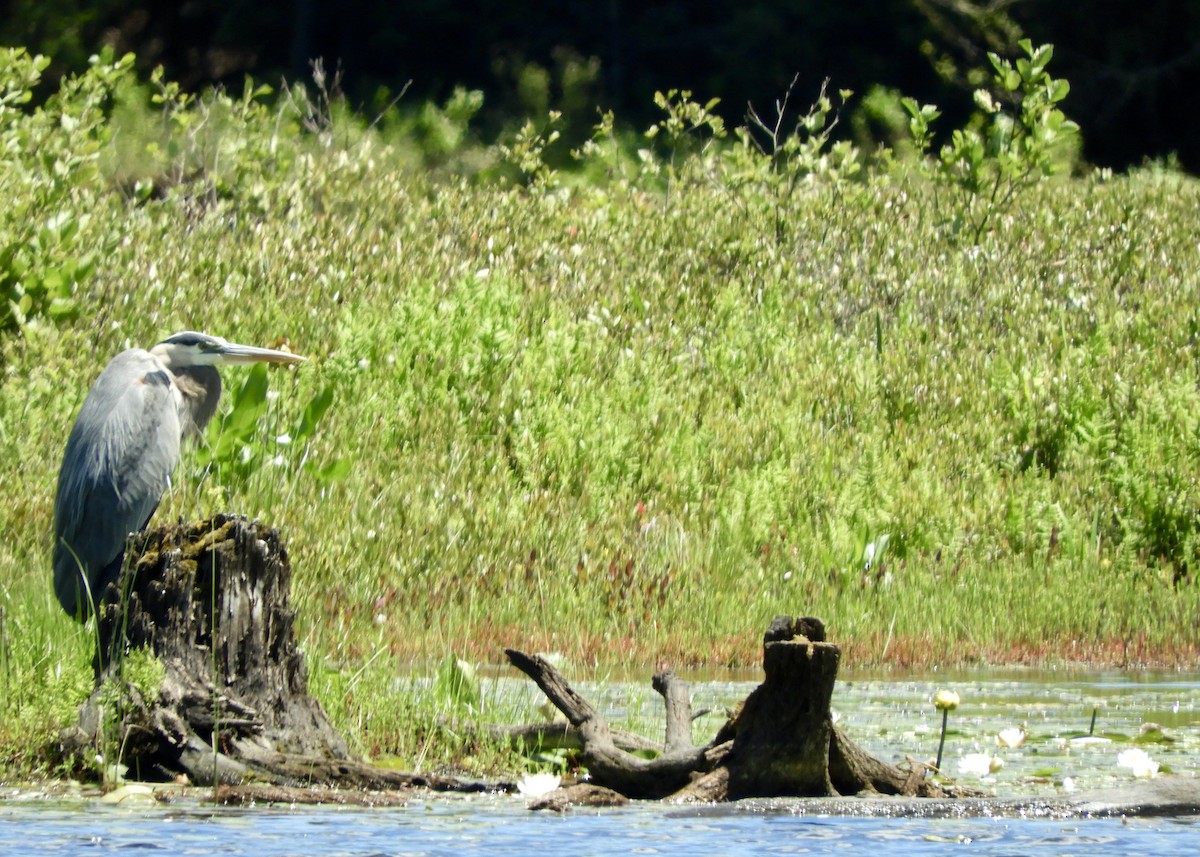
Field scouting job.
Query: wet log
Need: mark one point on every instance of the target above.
(253, 795)
(610, 766)
(780, 742)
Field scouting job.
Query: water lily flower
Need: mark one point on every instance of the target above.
(1139, 762)
(979, 764)
(945, 700)
(1011, 738)
(536, 785)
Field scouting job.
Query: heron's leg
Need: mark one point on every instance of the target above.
(109, 574)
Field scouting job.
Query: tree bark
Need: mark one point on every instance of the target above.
(781, 735)
(678, 700)
(610, 766)
(781, 741)
(211, 602)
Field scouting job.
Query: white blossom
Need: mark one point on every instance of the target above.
(536, 785)
(1139, 762)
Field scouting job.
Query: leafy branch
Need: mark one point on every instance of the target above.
(1017, 137)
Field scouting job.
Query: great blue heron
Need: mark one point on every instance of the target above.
(123, 449)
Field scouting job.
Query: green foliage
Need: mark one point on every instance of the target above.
(687, 133)
(235, 448)
(21, 73)
(1018, 137)
(1122, 130)
(1155, 477)
(603, 158)
(49, 243)
(458, 684)
(440, 133)
(684, 119)
(800, 151)
(524, 155)
(882, 124)
(125, 697)
(782, 152)
(231, 440)
(585, 416)
(45, 673)
(566, 86)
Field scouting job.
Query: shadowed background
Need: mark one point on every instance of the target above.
(1131, 65)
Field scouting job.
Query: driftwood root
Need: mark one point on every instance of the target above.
(781, 741)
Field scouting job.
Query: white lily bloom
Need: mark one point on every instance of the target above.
(1139, 762)
(979, 764)
(536, 785)
(1011, 738)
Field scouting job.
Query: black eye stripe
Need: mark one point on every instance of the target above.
(190, 338)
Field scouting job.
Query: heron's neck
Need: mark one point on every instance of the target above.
(200, 391)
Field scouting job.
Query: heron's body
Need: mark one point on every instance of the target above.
(123, 449)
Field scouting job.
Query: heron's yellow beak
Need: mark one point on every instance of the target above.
(232, 352)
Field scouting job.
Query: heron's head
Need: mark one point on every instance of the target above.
(190, 348)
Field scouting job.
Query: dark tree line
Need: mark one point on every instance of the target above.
(1132, 66)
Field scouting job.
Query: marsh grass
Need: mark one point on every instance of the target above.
(611, 415)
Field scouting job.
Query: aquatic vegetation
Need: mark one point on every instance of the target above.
(944, 701)
(979, 765)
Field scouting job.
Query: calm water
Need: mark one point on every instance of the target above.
(503, 826)
(890, 716)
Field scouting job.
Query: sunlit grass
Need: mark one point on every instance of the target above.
(592, 418)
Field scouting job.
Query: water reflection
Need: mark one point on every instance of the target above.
(500, 826)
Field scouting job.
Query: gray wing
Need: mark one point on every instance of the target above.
(116, 466)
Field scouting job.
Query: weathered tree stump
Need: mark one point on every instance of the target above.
(780, 742)
(210, 600)
(781, 735)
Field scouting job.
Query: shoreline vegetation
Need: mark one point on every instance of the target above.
(620, 394)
